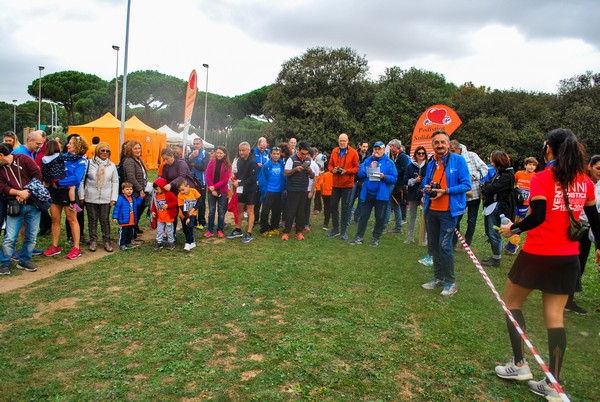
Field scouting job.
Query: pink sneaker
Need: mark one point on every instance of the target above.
(75, 253)
(73, 206)
(208, 234)
(53, 250)
(220, 234)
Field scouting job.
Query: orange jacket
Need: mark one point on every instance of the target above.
(349, 162)
(325, 183)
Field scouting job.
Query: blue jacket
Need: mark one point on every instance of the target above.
(75, 173)
(121, 211)
(388, 168)
(198, 166)
(264, 175)
(458, 179)
(261, 157)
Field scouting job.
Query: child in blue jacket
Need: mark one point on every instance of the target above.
(125, 214)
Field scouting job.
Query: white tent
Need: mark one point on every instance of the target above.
(172, 135)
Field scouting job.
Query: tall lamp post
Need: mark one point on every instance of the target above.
(205, 100)
(40, 98)
(115, 47)
(15, 116)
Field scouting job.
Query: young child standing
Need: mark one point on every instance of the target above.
(164, 210)
(186, 200)
(53, 169)
(125, 214)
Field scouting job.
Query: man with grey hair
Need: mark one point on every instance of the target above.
(261, 155)
(244, 184)
(397, 202)
(35, 140)
(477, 169)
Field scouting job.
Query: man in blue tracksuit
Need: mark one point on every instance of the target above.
(379, 175)
(198, 161)
(271, 182)
(446, 182)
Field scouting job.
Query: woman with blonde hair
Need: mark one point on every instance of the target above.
(100, 191)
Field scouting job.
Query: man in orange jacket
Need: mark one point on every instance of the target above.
(343, 164)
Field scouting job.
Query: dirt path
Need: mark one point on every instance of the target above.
(50, 266)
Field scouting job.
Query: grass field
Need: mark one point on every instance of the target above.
(273, 320)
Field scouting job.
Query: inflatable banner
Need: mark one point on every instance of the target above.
(436, 117)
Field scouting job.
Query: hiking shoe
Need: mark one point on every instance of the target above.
(158, 246)
(285, 237)
(75, 253)
(356, 241)
(491, 262)
(333, 233)
(299, 236)
(74, 207)
(248, 238)
(171, 246)
(512, 371)
(37, 251)
(236, 233)
(432, 284)
(53, 250)
(450, 289)
(27, 266)
(575, 308)
(427, 261)
(545, 390)
(208, 234)
(374, 242)
(220, 234)
(5, 269)
(343, 236)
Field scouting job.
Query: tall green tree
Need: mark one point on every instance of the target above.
(153, 91)
(66, 88)
(318, 95)
(401, 97)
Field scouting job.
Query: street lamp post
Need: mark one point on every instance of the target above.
(40, 97)
(115, 47)
(205, 100)
(15, 116)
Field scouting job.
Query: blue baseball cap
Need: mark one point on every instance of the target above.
(379, 144)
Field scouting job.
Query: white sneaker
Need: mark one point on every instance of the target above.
(192, 245)
(512, 371)
(544, 390)
(187, 247)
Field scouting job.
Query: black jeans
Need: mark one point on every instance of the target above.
(271, 203)
(295, 206)
(338, 194)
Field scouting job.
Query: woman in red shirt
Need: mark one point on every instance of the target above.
(549, 259)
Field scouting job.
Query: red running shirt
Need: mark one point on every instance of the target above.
(550, 238)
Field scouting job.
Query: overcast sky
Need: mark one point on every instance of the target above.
(528, 45)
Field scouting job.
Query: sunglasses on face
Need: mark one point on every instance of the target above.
(104, 151)
(420, 153)
(275, 149)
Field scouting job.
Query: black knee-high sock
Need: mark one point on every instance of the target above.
(557, 344)
(515, 338)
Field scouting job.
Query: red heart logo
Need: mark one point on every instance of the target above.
(436, 115)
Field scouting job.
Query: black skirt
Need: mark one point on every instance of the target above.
(555, 274)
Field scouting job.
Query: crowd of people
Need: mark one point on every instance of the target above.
(281, 187)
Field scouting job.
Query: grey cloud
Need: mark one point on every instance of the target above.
(388, 30)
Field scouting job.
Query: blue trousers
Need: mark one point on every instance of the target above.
(440, 231)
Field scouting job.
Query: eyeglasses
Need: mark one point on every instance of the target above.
(104, 151)
(420, 153)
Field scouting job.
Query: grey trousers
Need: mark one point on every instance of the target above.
(98, 212)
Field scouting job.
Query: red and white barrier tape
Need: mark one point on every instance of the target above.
(555, 383)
